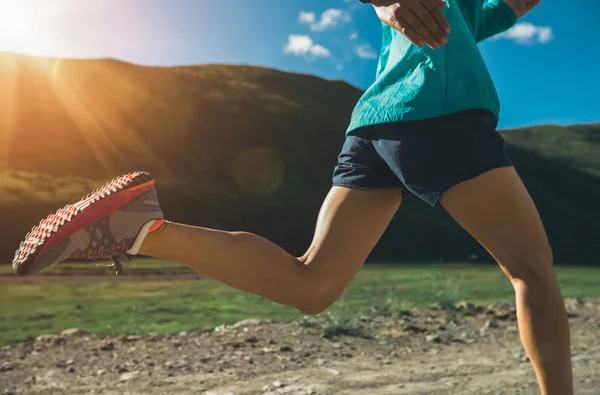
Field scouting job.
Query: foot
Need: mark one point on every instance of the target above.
(108, 224)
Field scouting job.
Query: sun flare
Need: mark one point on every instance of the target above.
(17, 26)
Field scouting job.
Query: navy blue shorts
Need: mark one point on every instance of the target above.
(424, 158)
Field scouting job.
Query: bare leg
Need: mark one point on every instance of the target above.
(349, 225)
(496, 209)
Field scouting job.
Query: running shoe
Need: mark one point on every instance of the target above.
(110, 223)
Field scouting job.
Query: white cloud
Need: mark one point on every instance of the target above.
(302, 45)
(329, 19)
(354, 36)
(307, 17)
(365, 51)
(526, 34)
(320, 51)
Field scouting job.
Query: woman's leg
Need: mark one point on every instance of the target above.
(496, 209)
(349, 225)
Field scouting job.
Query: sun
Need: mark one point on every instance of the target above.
(16, 26)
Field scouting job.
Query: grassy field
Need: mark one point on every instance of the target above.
(117, 308)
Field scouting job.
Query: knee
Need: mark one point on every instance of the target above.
(314, 304)
(318, 292)
(534, 267)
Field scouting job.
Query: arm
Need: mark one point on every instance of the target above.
(496, 16)
(500, 15)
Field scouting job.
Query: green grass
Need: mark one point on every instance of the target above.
(117, 308)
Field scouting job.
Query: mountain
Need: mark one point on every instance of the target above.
(244, 148)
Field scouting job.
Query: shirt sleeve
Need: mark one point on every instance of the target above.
(496, 16)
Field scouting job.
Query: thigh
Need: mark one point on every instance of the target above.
(496, 209)
(350, 223)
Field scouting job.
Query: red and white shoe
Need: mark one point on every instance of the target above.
(108, 224)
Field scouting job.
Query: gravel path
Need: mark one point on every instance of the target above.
(471, 351)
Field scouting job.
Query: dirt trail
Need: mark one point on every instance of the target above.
(472, 351)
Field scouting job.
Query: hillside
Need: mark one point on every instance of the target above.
(240, 148)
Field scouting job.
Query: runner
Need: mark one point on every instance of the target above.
(426, 128)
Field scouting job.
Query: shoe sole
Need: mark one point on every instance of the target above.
(72, 218)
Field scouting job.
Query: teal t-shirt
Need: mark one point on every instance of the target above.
(419, 83)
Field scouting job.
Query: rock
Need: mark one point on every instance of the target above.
(132, 338)
(69, 362)
(75, 332)
(278, 384)
(7, 366)
(449, 383)
(521, 355)
(488, 324)
(52, 339)
(433, 339)
(129, 376)
(414, 329)
(490, 310)
(334, 372)
(100, 372)
(107, 346)
(30, 380)
(321, 362)
(249, 322)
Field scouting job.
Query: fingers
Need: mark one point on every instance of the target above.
(437, 15)
(427, 25)
(406, 30)
(421, 21)
(416, 25)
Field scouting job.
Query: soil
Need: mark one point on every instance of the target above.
(473, 350)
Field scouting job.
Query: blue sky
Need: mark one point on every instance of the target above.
(546, 70)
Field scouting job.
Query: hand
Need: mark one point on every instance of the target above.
(522, 7)
(421, 21)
